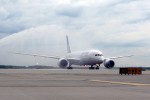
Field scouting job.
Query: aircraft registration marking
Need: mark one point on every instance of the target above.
(123, 83)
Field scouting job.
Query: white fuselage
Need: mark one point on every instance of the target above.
(89, 57)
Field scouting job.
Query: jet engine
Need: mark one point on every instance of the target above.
(108, 63)
(63, 63)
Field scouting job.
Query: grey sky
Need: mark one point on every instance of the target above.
(116, 27)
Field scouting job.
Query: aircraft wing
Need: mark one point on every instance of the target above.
(120, 57)
(36, 55)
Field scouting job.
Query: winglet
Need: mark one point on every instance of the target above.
(68, 46)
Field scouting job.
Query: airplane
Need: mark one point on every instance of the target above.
(88, 57)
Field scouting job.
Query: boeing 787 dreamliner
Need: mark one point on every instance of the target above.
(87, 57)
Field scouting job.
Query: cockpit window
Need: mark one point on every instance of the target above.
(98, 54)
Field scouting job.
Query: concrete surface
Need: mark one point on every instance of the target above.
(83, 84)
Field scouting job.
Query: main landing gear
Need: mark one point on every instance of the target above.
(92, 68)
(69, 67)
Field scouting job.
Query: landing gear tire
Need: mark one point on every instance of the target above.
(97, 68)
(91, 68)
(69, 68)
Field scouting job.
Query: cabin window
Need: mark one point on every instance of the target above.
(98, 54)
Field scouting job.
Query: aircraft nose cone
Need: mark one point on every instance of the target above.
(101, 59)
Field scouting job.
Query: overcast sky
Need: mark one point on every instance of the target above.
(116, 27)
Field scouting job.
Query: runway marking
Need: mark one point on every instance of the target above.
(123, 83)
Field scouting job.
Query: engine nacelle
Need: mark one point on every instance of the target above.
(63, 63)
(109, 63)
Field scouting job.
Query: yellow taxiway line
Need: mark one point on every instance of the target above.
(123, 83)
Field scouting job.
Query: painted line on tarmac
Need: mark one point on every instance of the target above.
(123, 83)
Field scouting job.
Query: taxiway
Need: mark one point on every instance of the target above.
(78, 84)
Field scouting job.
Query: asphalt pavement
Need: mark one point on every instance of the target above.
(78, 84)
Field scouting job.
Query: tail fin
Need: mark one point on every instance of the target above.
(68, 46)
